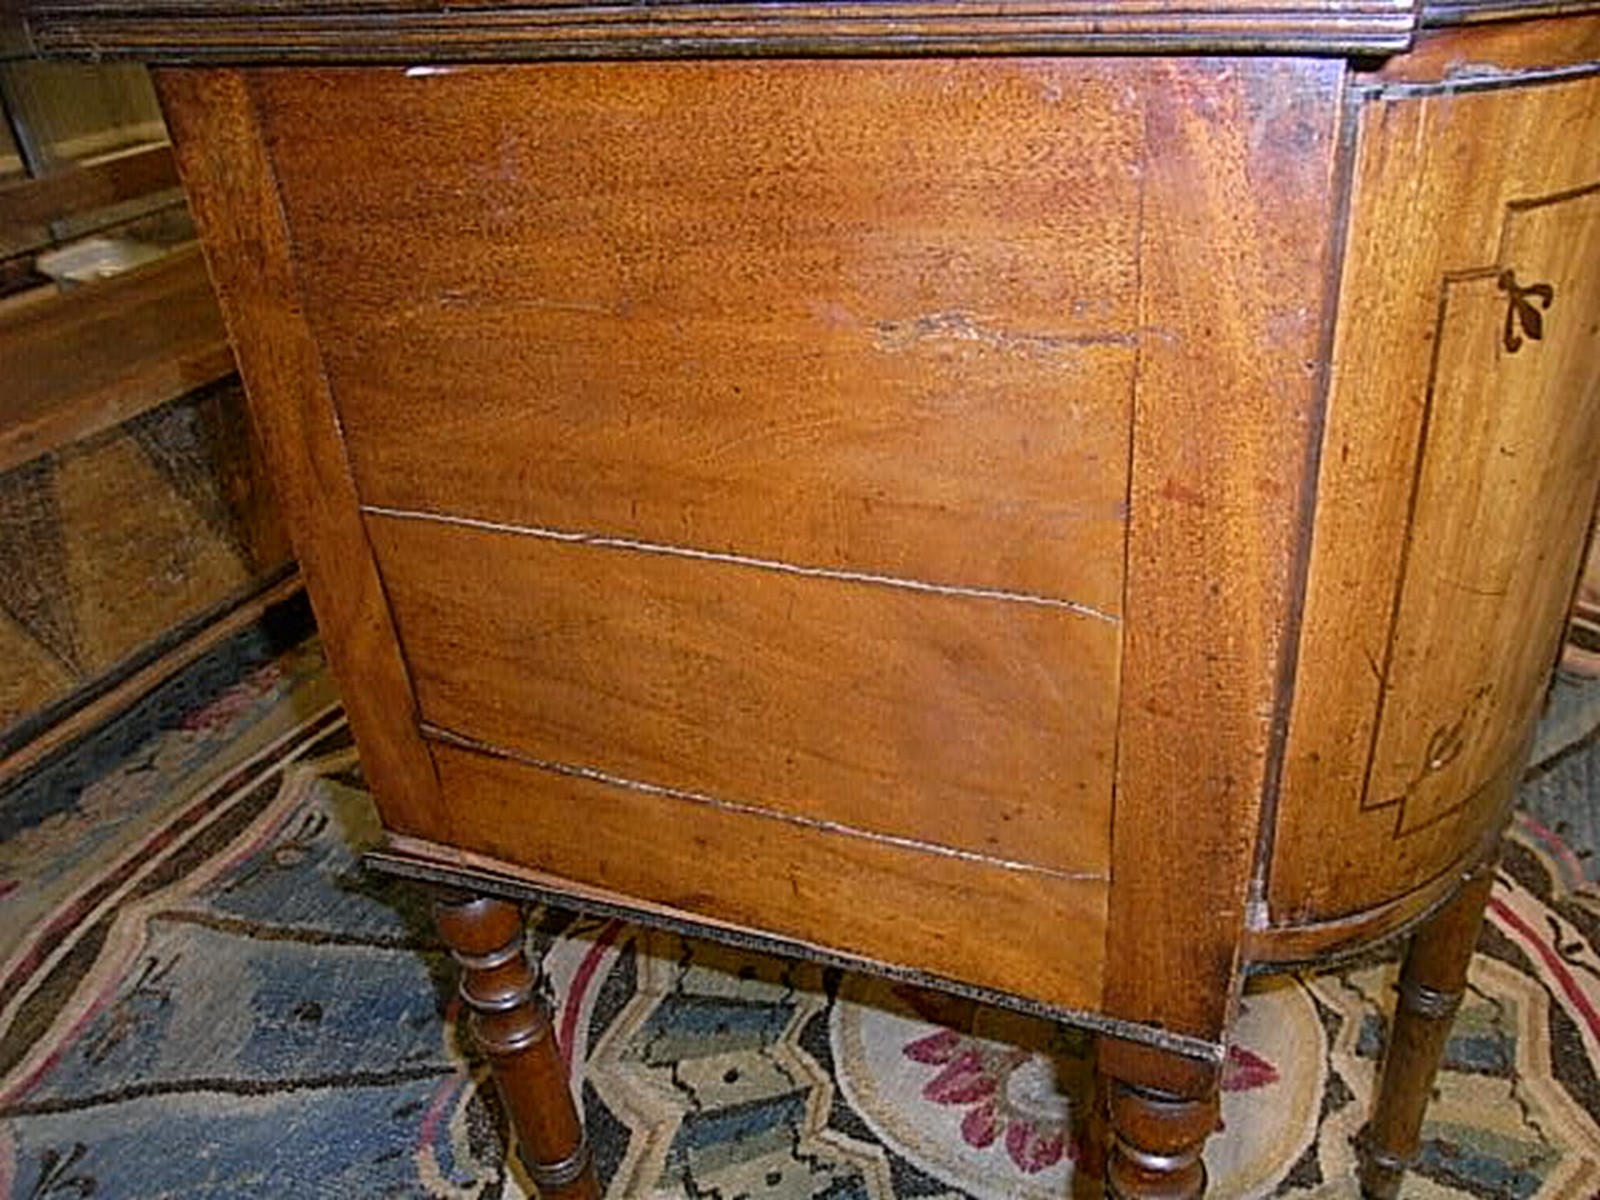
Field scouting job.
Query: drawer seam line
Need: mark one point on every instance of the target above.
(595, 775)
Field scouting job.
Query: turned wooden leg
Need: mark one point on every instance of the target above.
(511, 1023)
(1162, 1107)
(1432, 982)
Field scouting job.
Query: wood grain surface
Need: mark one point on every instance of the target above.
(964, 722)
(26, 205)
(1492, 54)
(871, 316)
(855, 474)
(965, 920)
(1457, 486)
(1238, 216)
(897, 320)
(234, 198)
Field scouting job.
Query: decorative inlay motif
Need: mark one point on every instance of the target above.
(1440, 741)
(1521, 313)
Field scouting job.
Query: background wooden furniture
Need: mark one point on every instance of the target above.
(136, 528)
(904, 486)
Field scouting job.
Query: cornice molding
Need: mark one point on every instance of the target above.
(181, 31)
(1439, 13)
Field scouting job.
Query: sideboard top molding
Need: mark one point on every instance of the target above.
(412, 31)
(1441, 13)
(415, 31)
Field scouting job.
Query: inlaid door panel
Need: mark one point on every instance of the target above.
(1509, 450)
(1459, 476)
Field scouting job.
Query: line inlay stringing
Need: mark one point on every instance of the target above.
(450, 737)
(611, 542)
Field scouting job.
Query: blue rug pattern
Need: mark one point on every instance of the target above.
(226, 1005)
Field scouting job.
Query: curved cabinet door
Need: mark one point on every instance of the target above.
(1457, 485)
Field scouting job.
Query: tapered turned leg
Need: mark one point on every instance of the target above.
(511, 1023)
(1432, 982)
(1162, 1108)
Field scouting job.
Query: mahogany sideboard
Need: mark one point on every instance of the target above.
(1074, 501)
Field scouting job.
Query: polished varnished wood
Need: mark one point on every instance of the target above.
(1490, 54)
(1268, 947)
(1073, 529)
(511, 1021)
(883, 710)
(1458, 477)
(452, 866)
(866, 897)
(229, 181)
(885, 322)
(1162, 1110)
(905, 338)
(1239, 180)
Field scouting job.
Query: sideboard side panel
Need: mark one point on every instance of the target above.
(1459, 481)
(669, 396)
(1238, 212)
(234, 197)
(875, 317)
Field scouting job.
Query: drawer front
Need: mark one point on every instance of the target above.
(878, 317)
(953, 722)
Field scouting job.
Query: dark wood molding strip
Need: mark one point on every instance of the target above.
(190, 31)
(401, 31)
(1437, 13)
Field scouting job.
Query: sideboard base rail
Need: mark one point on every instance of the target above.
(407, 859)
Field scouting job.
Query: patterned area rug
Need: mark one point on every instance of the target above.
(202, 994)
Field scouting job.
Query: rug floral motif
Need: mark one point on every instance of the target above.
(225, 1004)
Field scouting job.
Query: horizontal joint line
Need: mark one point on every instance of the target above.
(594, 775)
(606, 542)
